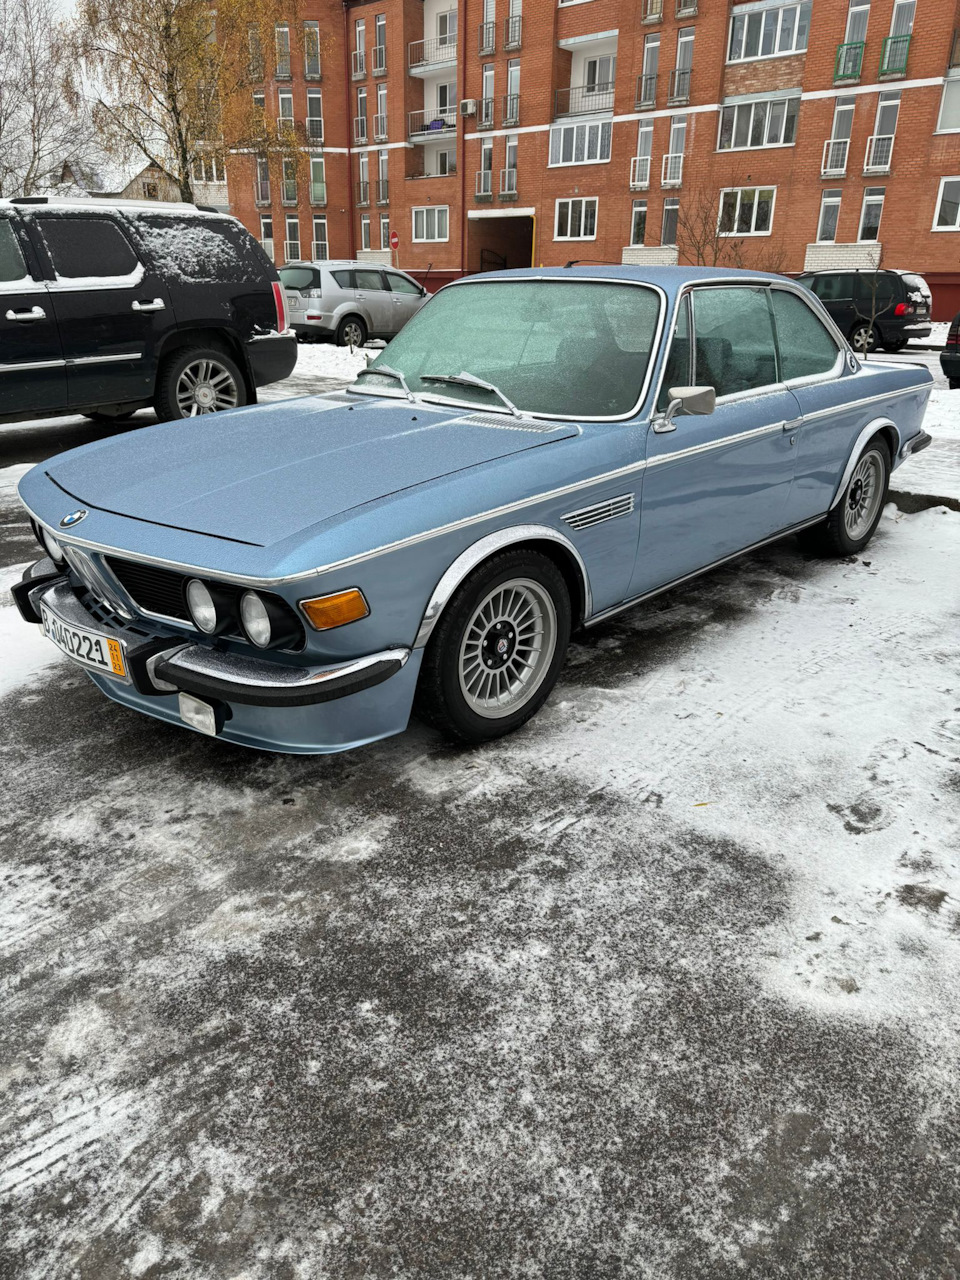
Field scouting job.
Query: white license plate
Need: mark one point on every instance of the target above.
(101, 653)
(296, 304)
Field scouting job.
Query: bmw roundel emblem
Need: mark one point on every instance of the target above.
(73, 518)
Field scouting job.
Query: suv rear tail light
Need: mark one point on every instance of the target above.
(953, 337)
(904, 309)
(280, 303)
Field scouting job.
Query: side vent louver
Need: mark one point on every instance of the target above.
(587, 517)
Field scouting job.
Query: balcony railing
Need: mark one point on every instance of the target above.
(879, 153)
(652, 10)
(487, 42)
(512, 31)
(484, 185)
(485, 113)
(318, 193)
(511, 108)
(583, 98)
(640, 173)
(671, 172)
(359, 59)
(284, 124)
(893, 57)
(311, 66)
(379, 59)
(261, 191)
(363, 194)
(383, 191)
(314, 125)
(425, 53)
(288, 191)
(360, 129)
(291, 250)
(835, 157)
(437, 121)
(508, 182)
(320, 250)
(283, 66)
(849, 61)
(679, 86)
(646, 91)
(380, 128)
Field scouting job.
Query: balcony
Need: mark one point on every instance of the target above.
(671, 172)
(679, 91)
(383, 191)
(879, 153)
(512, 31)
(314, 128)
(849, 61)
(834, 163)
(652, 10)
(291, 250)
(261, 191)
(288, 191)
(485, 113)
(359, 60)
(427, 56)
(483, 190)
(438, 122)
(319, 250)
(640, 173)
(318, 193)
(646, 91)
(380, 128)
(893, 58)
(508, 184)
(511, 109)
(360, 129)
(487, 42)
(363, 194)
(379, 59)
(582, 99)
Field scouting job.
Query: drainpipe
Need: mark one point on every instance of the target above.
(347, 82)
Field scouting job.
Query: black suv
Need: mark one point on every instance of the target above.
(108, 307)
(874, 308)
(950, 355)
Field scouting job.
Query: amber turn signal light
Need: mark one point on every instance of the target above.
(336, 610)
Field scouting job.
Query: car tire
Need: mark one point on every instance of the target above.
(895, 344)
(863, 338)
(853, 520)
(198, 380)
(955, 384)
(497, 650)
(351, 331)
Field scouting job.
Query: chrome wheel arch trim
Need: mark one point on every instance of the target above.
(863, 439)
(483, 549)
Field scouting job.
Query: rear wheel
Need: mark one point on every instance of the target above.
(351, 332)
(198, 380)
(863, 338)
(853, 520)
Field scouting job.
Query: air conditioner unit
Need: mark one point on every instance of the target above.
(468, 106)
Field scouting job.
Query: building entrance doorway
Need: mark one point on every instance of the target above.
(499, 239)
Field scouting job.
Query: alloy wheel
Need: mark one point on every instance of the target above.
(206, 386)
(864, 495)
(507, 648)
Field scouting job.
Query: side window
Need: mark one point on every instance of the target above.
(344, 279)
(806, 348)
(879, 290)
(81, 246)
(369, 280)
(735, 345)
(12, 265)
(207, 250)
(676, 372)
(400, 284)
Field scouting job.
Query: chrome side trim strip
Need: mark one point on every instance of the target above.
(70, 363)
(667, 586)
(126, 355)
(27, 365)
(858, 404)
(770, 429)
(243, 670)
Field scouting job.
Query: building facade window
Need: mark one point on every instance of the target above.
(638, 222)
(266, 234)
(764, 123)
(314, 115)
(384, 231)
(770, 32)
(281, 37)
(829, 216)
(670, 222)
(948, 206)
(446, 162)
(431, 223)
(288, 170)
(580, 143)
(871, 213)
(365, 231)
(949, 118)
(311, 50)
(321, 249)
(576, 219)
(746, 211)
(291, 248)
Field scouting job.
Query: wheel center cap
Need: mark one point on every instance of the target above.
(204, 395)
(499, 644)
(856, 493)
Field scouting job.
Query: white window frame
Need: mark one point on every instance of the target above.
(266, 220)
(744, 235)
(867, 199)
(593, 132)
(635, 209)
(384, 231)
(936, 207)
(750, 108)
(311, 30)
(828, 200)
(441, 213)
(365, 241)
(952, 81)
(672, 204)
(583, 202)
(779, 9)
(320, 220)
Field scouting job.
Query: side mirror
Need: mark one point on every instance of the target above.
(687, 400)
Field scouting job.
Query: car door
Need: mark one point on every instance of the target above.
(32, 373)
(838, 295)
(407, 298)
(716, 484)
(374, 300)
(112, 309)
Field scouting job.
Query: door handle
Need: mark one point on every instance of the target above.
(25, 317)
(156, 305)
(794, 425)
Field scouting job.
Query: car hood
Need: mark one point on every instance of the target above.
(261, 474)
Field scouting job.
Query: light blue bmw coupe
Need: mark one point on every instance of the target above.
(535, 451)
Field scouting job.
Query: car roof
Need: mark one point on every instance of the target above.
(855, 271)
(93, 202)
(342, 262)
(668, 278)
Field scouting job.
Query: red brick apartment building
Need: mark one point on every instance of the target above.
(767, 134)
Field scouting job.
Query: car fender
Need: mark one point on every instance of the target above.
(877, 425)
(483, 549)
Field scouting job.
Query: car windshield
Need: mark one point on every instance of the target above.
(565, 348)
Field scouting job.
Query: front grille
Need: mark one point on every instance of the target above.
(154, 589)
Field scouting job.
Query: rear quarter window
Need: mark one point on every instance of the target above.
(80, 246)
(12, 265)
(202, 250)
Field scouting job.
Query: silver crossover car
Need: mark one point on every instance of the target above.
(349, 302)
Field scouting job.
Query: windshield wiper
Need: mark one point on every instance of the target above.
(390, 373)
(468, 380)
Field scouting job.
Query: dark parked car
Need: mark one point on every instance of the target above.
(106, 308)
(874, 308)
(950, 355)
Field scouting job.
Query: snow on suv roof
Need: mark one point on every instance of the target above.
(94, 202)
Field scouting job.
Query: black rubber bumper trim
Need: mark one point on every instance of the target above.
(251, 695)
(923, 441)
(21, 593)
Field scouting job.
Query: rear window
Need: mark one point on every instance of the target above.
(343, 278)
(833, 288)
(12, 265)
(80, 246)
(202, 250)
(918, 284)
(299, 278)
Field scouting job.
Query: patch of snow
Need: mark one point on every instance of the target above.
(27, 653)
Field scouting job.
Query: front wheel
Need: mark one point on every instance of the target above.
(198, 380)
(351, 332)
(497, 650)
(853, 520)
(863, 338)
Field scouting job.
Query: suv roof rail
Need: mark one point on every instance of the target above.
(30, 200)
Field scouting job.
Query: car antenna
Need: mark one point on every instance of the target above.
(575, 262)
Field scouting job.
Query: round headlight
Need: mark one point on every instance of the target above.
(202, 608)
(256, 620)
(51, 545)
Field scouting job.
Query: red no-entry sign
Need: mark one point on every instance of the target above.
(394, 240)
